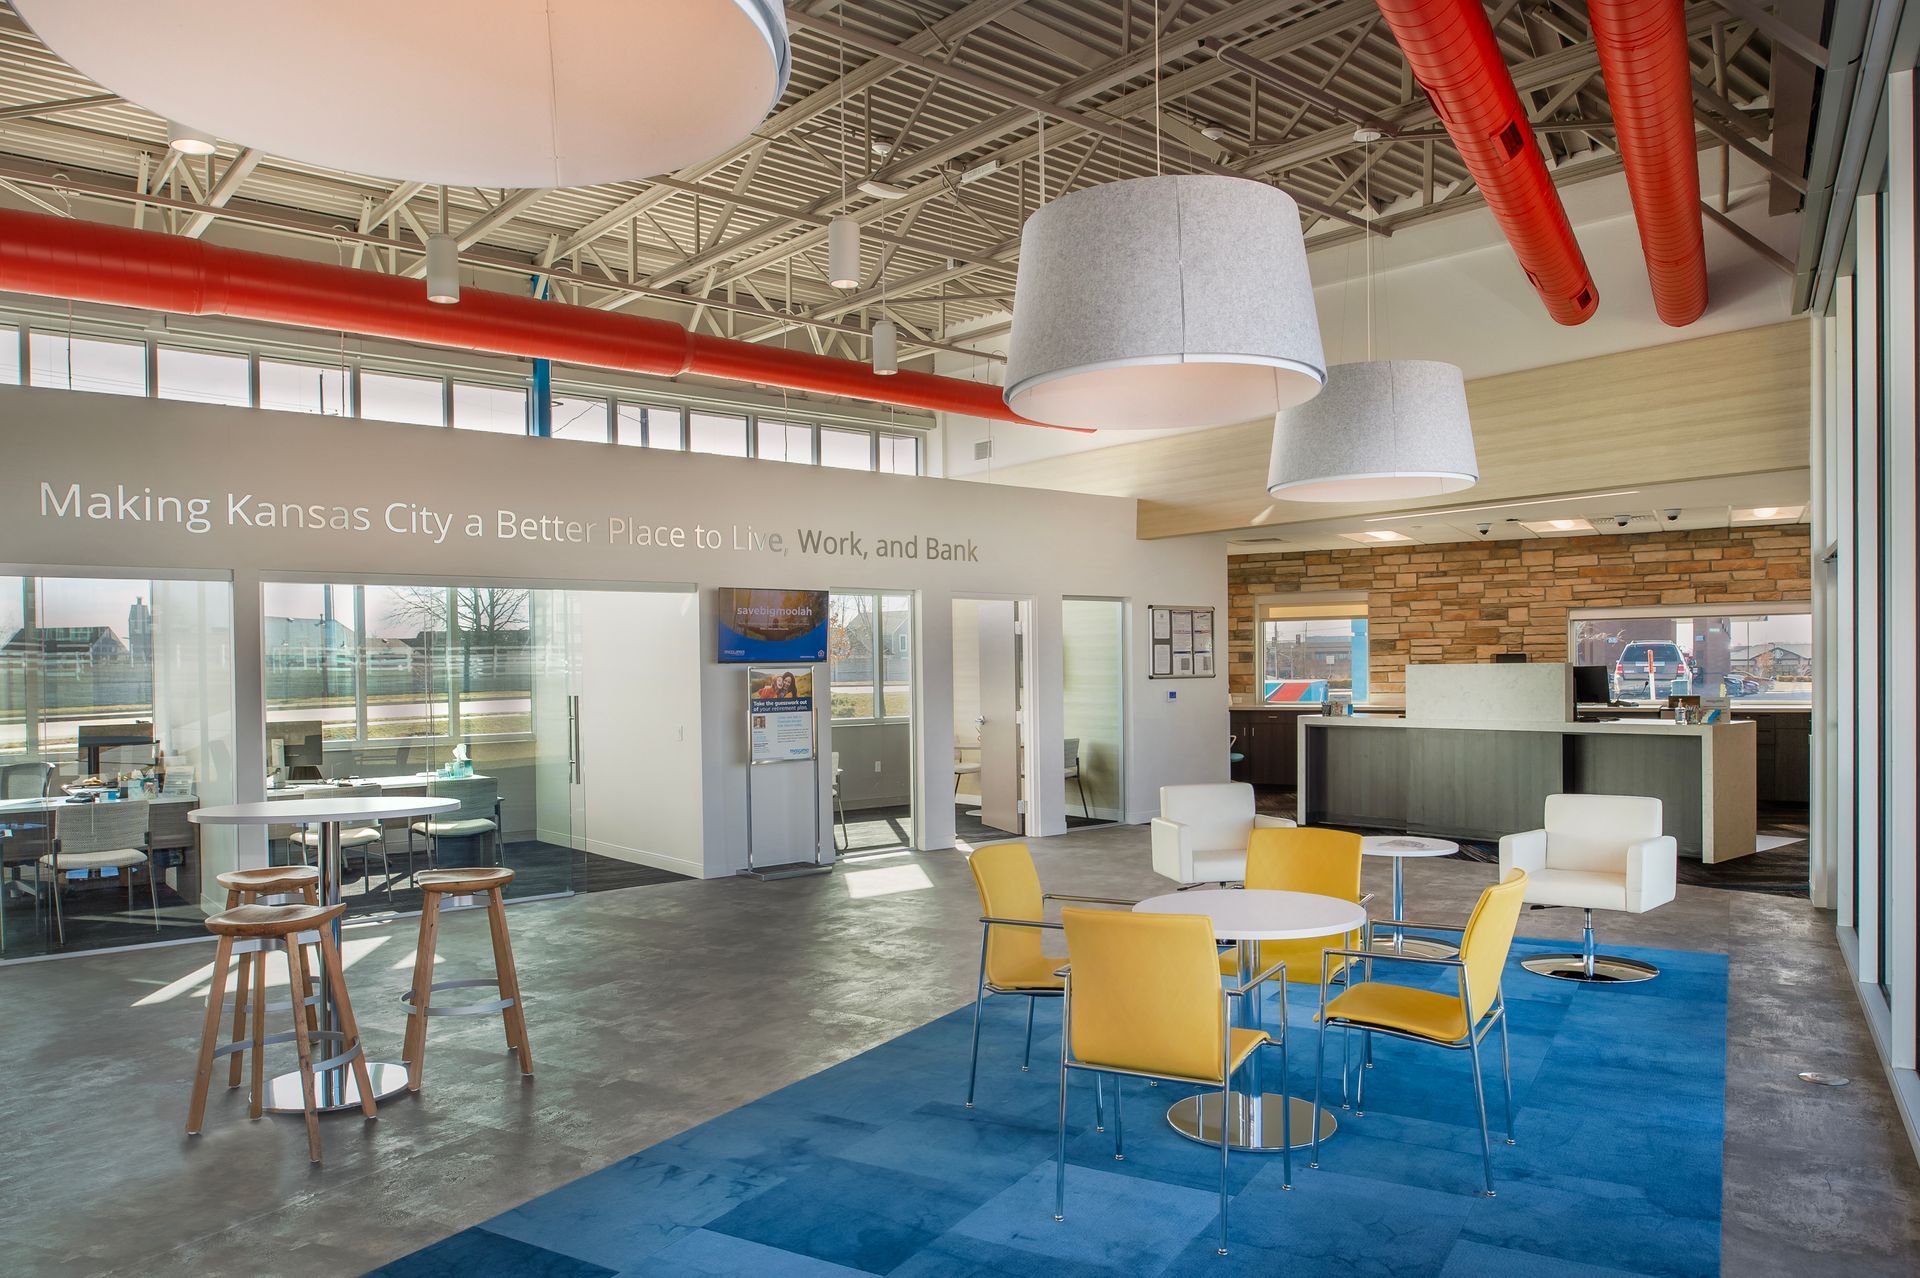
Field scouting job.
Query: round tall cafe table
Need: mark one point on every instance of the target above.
(1400, 847)
(337, 1088)
(1247, 917)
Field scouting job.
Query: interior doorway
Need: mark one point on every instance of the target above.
(990, 793)
(1093, 649)
(870, 662)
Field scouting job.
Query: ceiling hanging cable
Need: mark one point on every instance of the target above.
(843, 233)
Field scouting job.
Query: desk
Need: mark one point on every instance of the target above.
(1484, 780)
(164, 811)
(338, 1090)
(1247, 917)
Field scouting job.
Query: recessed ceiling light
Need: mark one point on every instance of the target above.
(1768, 514)
(1373, 536)
(1557, 525)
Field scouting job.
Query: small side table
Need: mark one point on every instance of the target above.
(1400, 847)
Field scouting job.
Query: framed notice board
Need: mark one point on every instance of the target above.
(1182, 642)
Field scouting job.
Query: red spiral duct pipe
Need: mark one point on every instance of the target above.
(88, 261)
(1451, 49)
(1643, 56)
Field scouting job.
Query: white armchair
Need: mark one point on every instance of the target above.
(1597, 852)
(1202, 832)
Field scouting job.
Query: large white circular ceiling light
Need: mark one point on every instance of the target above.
(510, 93)
(1179, 301)
(1384, 430)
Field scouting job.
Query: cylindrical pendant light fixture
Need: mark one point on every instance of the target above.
(886, 348)
(1179, 301)
(1384, 430)
(843, 252)
(443, 268)
(188, 140)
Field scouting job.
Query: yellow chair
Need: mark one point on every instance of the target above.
(1144, 1000)
(1011, 958)
(1303, 859)
(1455, 1021)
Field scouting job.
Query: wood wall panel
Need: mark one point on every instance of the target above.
(1730, 404)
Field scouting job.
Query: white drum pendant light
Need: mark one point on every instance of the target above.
(443, 268)
(512, 93)
(1179, 301)
(1385, 430)
(886, 347)
(843, 252)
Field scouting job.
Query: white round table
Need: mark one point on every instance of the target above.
(1247, 917)
(337, 1088)
(1400, 847)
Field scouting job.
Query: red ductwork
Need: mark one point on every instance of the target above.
(1451, 49)
(1643, 56)
(92, 262)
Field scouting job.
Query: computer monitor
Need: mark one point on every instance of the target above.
(1590, 686)
(294, 747)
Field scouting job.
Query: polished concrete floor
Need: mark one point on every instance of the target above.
(651, 1009)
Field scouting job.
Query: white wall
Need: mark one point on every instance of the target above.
(1013, 543)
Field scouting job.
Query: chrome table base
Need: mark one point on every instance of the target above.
(1604, 969)
(1198, 1119)
(335, 1089)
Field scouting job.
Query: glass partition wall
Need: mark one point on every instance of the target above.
(116, 720)
(403, 689)
(870, 669)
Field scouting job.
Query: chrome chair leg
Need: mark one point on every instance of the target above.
(1319, 1072)
(1026, 1055)
(979, 997)
(1480, 1101)
(153, 891)
(1286, 1108)
(1346, 1068)
(1506, 1067)
(1360, 1075)
(1060, 1154)
(1099, 1103)
(1119, 1150)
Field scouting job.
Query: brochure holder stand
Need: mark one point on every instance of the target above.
(775, 709)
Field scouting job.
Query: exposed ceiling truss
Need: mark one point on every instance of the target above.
(979, 110)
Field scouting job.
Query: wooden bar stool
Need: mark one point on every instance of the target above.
(246, 887)
(485, 881)
(284, 924)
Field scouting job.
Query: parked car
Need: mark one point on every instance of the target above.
(1744, 685)
(1672, 671)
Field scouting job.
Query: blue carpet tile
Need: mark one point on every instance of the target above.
(875, 1166)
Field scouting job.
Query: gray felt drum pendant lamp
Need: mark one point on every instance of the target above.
(1383, 430)
(1177, 301)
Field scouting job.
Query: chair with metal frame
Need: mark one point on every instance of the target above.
(1073, 775)
(1454, 1021)
(1303, 859)
(477, 795)
(363, 841)
(840, 836)
(112, 836)
(1143, 999)
(1012, 962)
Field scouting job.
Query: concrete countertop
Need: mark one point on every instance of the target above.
(1629, 727)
